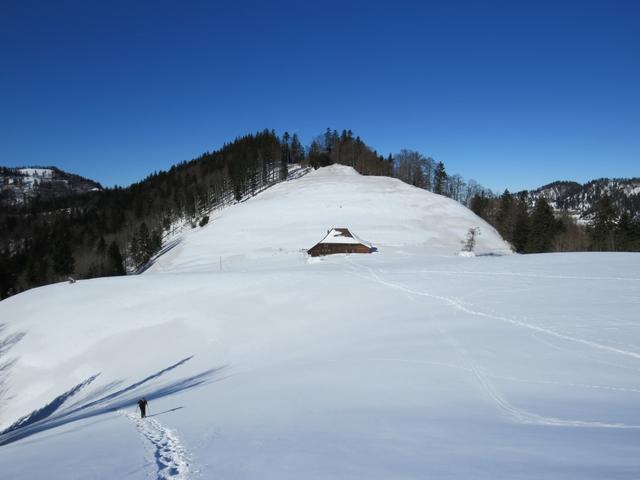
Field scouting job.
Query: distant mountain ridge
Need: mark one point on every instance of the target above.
(19, 185)
(580, 199)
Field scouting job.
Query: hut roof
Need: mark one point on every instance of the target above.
(342, 235)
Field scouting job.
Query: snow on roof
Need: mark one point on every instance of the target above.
(342, 235)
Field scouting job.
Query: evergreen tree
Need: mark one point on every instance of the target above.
(155, 243)
(604, 224)
(297, 151)
(144, 241)
(328, 140)
(521, 224)
(627, 233)
(285, 157)
(479, 205)
(504, 216)
(8, 278)
(144, 245)
(543, 228)
(134, 250)
(115, 264)
(101, 247)
(318, 157)
(37, 270)
(63, 261)
(439, 179)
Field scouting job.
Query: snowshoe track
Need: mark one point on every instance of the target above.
(169, 454)
(517, 414)
(457, 304)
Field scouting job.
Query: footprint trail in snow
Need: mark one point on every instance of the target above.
(518, 414)
(169, 454)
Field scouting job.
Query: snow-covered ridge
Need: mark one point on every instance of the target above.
(581, 199)
(36, 172)
(19, 185)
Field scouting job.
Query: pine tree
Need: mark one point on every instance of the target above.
(285, 158)
(543, 227)
(604, 223)
(317, 157)
(144, 243)
(440, 179)
(155, 243)
(504, 216)
(114, 260)
(328, 140)
(479, 205)
(63, 261)
(101, 247)
(297, 151)
(134, 250)
(521, 224)
(38, 270)
(627, 233)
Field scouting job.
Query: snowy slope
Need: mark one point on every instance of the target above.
(411, 362)
(291, 217)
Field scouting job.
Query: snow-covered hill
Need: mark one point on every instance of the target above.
(291, 217)
(581, 200)
(412, 362)
(19, 185)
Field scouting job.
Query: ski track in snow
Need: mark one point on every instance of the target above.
(170, 456)
(466, 368)
(527, 275)
(458, 305)
(518, 414)
(549, 343)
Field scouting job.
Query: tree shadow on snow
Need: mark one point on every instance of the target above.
(60, 411)
(167, 247)
(6, 344)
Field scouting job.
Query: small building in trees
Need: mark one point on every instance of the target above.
(340, 240)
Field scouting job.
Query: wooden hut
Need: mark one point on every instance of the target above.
(340, 240)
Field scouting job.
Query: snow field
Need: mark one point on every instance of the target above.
(412, 362)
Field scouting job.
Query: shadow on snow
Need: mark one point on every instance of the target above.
(54, 414)
(166, 411)
(6, 344)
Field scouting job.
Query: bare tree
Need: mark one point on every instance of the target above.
(411, 167)
(469, 243)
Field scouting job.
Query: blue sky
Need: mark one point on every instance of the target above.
(512, 94)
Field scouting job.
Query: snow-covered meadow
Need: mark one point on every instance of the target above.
(412, 362)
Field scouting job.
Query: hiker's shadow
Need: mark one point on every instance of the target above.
(166, 411)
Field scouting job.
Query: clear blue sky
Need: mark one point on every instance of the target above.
(512, 94)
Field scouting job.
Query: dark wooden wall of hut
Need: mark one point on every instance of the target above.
(332, 248)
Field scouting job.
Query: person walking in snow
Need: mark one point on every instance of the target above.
(142, 405)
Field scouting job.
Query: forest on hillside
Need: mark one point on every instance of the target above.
(118, 230)
(534, 227)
